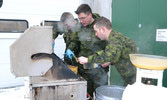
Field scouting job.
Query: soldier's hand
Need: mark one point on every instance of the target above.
(83, 60)
(69, 54)
(105, 64)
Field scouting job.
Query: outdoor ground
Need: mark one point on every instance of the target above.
(14, 93)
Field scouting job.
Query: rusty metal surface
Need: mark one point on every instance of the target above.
(75, 90)
(59, 70)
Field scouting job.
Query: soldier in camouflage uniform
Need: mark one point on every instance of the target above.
(89, 44)
(69, 27)
(116, 51)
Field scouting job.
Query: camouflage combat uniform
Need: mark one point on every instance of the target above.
(89, 44)
(55, 33)
(58, 29)
(70, 36)
(117, 52)
(70, 39)
(72, 43)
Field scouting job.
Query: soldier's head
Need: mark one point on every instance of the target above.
(102, 28)
(68, 20)
(84, 13)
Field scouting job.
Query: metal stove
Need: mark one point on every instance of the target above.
(49, 77)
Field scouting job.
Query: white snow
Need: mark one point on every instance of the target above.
(15, 93)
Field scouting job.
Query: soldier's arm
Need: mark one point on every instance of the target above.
(111, 54)
(74, 44)
(55, 34)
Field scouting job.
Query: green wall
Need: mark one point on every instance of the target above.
(128, 15)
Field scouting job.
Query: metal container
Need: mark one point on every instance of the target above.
(109, 93)
(57, 89)
(49, 77)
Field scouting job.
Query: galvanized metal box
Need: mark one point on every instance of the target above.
(58, 89)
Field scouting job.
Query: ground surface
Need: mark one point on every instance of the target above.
(15, 93)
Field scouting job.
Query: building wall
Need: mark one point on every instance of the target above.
(103, 7)
(139, 20)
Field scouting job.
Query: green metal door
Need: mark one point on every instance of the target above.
(139, 19)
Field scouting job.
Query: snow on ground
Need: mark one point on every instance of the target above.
(15, 93)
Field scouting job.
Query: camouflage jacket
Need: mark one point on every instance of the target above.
(70, 36)
(72, 43)
(58, 29)
(85, 43)
(71, 39)
(117, 52)
(89, 43)
(55, 33)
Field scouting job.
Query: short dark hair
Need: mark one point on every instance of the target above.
(102, 21)
(84, 8)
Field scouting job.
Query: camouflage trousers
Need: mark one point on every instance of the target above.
(95, 77)
(127, 71)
